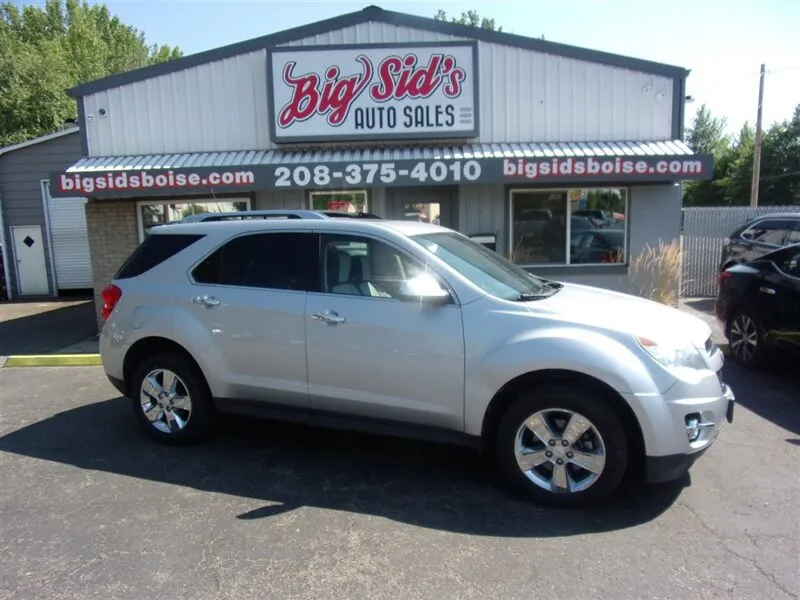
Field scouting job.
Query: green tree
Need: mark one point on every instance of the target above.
(469, 17)
(737, 174)
(45, 49)
(779, 182)
(707, 136)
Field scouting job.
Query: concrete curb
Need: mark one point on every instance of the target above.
(53, 360)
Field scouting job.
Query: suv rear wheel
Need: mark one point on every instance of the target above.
(171, 399)
(563, 445)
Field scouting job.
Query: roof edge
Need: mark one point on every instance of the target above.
(377, 14)
(39, 140)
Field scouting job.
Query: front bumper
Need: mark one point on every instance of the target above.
(713, 415)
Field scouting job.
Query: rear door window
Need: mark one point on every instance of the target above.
(773, 232)
(155, 249)
(277, 260)
(794, 234)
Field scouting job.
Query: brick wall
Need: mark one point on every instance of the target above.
(113, 235)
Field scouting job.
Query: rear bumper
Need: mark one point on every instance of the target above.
(118, 384)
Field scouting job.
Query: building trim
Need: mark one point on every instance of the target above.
(4, 249)
(39, 140)
(379, 15)
(43, 185)
(83, 130)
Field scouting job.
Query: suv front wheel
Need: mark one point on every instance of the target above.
(171, 399)
(562, 445)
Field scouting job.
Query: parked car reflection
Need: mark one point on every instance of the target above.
(597, 246)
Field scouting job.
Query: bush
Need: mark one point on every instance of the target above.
(655, 274)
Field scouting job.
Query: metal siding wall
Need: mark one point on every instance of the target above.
(524, 97)
(280, 200)
(481, 209)
(21, 172)
(215, 106)
(704, 232)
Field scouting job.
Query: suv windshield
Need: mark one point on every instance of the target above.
(485, 268)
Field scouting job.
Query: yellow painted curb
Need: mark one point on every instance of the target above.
(54, 360)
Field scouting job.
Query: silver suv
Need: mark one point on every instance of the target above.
(408, 328)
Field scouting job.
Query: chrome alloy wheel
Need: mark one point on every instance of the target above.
(165, 400)
(743, 337)
(560, 451)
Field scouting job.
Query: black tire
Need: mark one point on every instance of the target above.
(588, 403)
(199, 423)
(739, 322)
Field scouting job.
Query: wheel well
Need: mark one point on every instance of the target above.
(509, 392)
(147, 347)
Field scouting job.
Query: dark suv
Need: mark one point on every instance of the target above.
(759, 236)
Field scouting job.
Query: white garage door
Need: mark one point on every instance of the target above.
(69, 241)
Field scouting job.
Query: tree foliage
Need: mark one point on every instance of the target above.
(469, 17)
(45, 49)
(779, 180)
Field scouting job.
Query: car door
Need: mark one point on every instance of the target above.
(374, 353)
(249, 296)
(779, 297)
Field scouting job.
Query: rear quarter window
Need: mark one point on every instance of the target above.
(154, 250)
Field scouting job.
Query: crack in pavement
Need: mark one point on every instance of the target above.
(769, 576)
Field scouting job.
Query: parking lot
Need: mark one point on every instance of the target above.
(90, 509)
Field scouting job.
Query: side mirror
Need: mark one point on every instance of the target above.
(424, 289)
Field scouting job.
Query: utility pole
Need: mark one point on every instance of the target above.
(757, 152)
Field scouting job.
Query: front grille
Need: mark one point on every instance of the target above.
(709, 346)
(719, 377)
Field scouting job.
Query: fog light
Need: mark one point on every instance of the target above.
(693, 427)
(695, 424)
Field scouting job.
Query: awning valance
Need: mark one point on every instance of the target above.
(578, 164)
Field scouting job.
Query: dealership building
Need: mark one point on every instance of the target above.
(568, 161)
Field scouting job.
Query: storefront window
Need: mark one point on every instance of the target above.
(425, 213)
(569, 226)
(159, 212)
(348, 201)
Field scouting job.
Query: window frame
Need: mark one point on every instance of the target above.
(330, 192)
(156, 202)
(453, 301)
(190, 270)
(567, 264)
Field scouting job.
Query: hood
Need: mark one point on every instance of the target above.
(624, 313)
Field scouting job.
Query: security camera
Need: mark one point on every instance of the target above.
(102, 112)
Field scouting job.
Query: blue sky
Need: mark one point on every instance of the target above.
(722, 42)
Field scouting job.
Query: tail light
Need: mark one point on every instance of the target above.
(111, 295)
(723, 277)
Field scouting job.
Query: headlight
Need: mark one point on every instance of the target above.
(672, 356)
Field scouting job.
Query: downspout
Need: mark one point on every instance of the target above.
(4, 247)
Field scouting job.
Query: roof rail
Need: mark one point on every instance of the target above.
(252, 214)
(273, 214)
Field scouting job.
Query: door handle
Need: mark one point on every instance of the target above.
(329, 317)
(206, 300)
(767, 290)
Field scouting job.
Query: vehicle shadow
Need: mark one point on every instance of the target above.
(292, 466)
(771, 391)
(45, 331)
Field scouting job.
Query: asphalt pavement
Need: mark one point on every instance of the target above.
(89, 508)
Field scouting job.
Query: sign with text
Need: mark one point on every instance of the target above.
(364, 173)
(373, 91)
